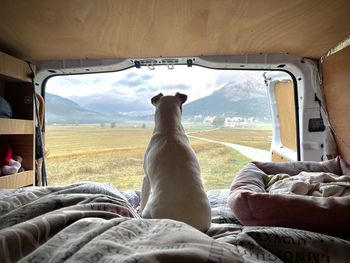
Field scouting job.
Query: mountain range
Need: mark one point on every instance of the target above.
(113, 105)
(242, 99)
(62, 110)
(234, 99)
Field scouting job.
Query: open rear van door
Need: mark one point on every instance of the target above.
(284, 120)
(298, 125)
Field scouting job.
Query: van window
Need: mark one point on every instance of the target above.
(98, 125)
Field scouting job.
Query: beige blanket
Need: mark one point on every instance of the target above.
(94, 223)
(319, 184)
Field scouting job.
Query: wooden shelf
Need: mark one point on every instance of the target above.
(17, 180)
(18, 132)
(13, 68)
(15, 126)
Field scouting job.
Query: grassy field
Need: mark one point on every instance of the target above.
(115, 155)
(257, 138)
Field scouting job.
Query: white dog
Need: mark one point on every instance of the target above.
(172, 186)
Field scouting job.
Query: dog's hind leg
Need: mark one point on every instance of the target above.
(145, 192)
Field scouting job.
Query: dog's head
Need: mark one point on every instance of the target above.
(181, 98)
(168, 111)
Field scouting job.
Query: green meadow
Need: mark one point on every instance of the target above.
(115, 154)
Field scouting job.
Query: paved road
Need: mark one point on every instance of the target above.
(250, 152)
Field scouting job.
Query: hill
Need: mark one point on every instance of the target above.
(64, 111)
(114, 105)
(245, 99)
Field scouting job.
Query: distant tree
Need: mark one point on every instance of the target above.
(112, 124)
(219, 121)
(102, 125)
(143, 125)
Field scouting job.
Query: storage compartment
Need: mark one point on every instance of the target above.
(19, 130)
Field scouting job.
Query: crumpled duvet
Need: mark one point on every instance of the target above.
(309, 184)
(94, 223)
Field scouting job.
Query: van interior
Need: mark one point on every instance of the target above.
(287, 200)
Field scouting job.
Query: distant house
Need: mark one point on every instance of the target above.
(233, 121)
(209, 119)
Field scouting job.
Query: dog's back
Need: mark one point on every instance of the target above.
(173, 171)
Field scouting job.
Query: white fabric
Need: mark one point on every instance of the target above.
(312, 184)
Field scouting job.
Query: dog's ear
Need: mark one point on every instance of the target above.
(181, 96)
(155, 99)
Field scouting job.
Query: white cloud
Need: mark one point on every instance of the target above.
(143, 83)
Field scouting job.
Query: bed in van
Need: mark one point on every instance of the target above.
(293, 208)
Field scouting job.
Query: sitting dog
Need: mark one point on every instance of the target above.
(172, 186)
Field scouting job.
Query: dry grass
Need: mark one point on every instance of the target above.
(63, 140)
(115, 155)
(248, 137)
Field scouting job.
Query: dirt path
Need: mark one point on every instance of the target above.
(250, 152)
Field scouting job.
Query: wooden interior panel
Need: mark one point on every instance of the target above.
(284, 94)
(278, 158)
(17, 180)
(12, 126)
(336, 82)
(13, 68)
(80, 29)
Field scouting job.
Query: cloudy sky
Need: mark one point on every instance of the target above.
(143, 83)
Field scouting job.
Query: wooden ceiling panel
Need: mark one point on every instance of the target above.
(75, 29)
